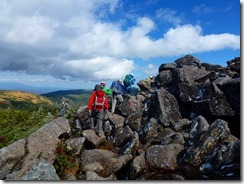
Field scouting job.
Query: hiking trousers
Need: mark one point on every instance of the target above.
(98, 116)
(116, 97)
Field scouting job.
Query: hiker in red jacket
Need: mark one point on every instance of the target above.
(98, 105)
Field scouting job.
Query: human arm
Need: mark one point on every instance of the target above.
(106, 104)
(107, 91)
(91, 100)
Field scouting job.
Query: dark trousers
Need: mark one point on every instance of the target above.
(97, 116)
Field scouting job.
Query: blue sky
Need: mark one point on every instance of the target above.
(78, 43)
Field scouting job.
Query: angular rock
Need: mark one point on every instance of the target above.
(203, 149)
(188, 60)
(42, 143)
(134, 121)
(163, 157)
(165, 108)
(168, 66)
(10, 156)
(138, 166)
(124, 136)
(43, 170)
(199, 126)
(110, 161)
(129, 105)
(163, 79)
(93, 138)
(92, 176)
(118, 122)
(74, 145)
(189, 83)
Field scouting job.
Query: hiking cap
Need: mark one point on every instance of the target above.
(103, 83)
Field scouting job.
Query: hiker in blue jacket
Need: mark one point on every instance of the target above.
(117, 88)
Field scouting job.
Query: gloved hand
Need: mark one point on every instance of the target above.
(90, 111)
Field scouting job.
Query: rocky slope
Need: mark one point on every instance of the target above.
(186, 129)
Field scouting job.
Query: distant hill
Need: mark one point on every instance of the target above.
(80, 96)
(20, 99)
(27, 88)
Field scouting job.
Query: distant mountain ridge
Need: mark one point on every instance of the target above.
(21, 99)
(79, 96)
(27, 88)
(16, 98)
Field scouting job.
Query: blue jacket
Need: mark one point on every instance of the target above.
(117, 87)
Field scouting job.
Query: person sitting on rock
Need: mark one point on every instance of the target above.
(98, 106)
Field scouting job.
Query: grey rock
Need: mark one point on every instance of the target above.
(43, 170)
(163, 157)
(75, 145)
(10, 156)
(41, 143)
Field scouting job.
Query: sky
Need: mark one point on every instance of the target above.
(78, 43)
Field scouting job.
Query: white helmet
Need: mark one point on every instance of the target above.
(132, 74)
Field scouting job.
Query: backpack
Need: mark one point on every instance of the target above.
(99, 99)
(127, 80)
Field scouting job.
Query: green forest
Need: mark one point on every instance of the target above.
(23, 113)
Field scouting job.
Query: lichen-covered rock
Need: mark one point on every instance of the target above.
(138, 166)
(203, 149)
(41, 143)
(129, 105)
(110, 161)
(163, 157)
(134, 121)
(93, 138)
(43, 170)
(75, 145)
(92, 176)
(159, 108)
(10, 156)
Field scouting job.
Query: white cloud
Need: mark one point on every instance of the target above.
(150, 70)
(100, 68)
(168, 15)
(30, 30)
(189, 39)
(203, 9)
(76, 40)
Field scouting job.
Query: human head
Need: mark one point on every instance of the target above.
(103, 84)
(97, 87)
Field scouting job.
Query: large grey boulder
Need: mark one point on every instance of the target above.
(43, 171)
(203, 149)
(10, 156)
(163, 157)
(165, 108)
(40, 144)
(108, 161)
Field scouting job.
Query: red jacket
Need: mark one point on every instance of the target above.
(91, 102)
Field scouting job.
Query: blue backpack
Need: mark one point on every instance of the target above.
(129, 80)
